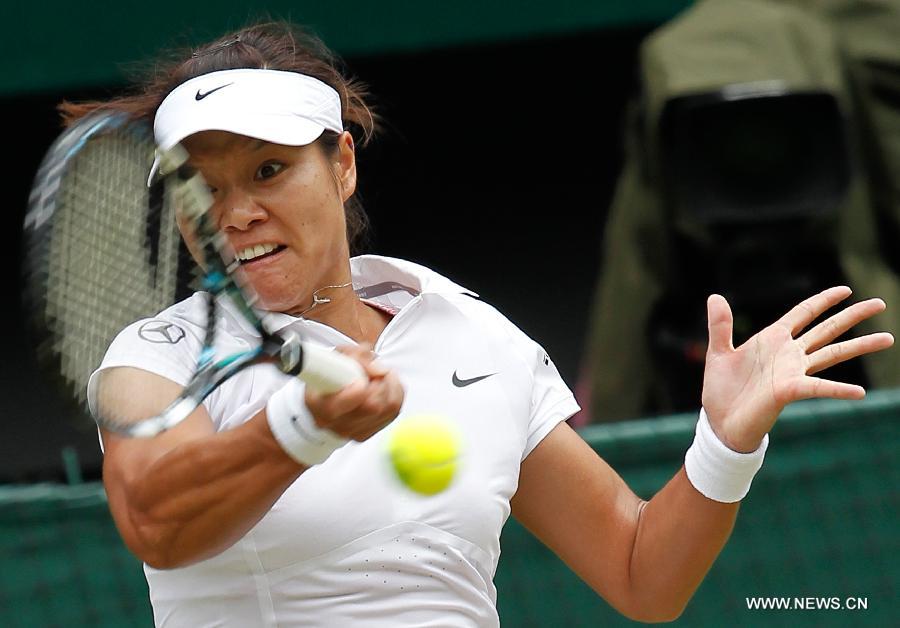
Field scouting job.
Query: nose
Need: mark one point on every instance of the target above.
(240, 214)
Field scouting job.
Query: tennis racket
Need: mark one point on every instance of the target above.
(103, 250)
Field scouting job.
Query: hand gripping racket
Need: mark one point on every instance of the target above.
(103, 250)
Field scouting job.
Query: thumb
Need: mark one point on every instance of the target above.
(721, 324)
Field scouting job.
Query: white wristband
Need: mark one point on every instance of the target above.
(294, 428)
(720, 473)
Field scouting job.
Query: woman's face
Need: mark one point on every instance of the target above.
(282, 210)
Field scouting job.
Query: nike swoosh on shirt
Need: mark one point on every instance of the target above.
(460, 383)
(201, 96)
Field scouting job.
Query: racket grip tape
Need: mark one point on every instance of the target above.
(327, 371)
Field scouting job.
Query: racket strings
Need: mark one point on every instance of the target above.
(111, 261)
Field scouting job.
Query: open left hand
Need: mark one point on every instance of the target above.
(745, 389)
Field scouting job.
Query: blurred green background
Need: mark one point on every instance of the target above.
(63, 44)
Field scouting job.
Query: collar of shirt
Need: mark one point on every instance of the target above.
(385, 281)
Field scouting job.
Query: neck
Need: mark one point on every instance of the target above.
(341, 308)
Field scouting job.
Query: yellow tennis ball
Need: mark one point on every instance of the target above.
(424, 450)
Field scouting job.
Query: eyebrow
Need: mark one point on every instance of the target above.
(260, 144)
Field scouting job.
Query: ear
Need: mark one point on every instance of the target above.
(345, 166)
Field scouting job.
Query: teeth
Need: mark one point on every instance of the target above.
(252, 252)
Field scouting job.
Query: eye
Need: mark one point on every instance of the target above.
(268, 170)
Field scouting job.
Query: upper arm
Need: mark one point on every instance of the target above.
(128, 462)
(578, 506)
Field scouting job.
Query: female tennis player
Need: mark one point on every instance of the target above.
(243, 522)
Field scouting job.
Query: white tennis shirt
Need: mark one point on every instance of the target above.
(346, 544)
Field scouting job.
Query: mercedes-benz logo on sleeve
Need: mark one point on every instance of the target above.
(161, 332)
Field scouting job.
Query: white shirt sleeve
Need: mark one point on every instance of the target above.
(552, 402)
(160, 345)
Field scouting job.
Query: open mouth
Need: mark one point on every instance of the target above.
(258, 252)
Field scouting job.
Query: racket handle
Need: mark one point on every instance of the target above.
(328, 371)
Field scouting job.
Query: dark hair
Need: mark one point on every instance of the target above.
(268, 45)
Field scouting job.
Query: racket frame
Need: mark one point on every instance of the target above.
(285, 351)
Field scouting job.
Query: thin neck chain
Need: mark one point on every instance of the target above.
(317, 300)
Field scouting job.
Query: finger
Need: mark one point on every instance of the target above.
(327, 407)
(815, 387)
(834, 326)
(362, 352)
(376, 369)
(369, 423)
(362, 408)
(372, 405)
(363, 429)
(842, 351)
(383, 401)
(804, 313)
(720, 324)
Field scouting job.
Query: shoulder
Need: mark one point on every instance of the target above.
(190, 312)
(183, 320)
(481, 312)
(166, 343)
(496, 327)
(397, 282)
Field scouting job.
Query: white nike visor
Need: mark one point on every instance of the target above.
(271, 105)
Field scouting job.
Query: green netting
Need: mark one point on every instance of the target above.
(821, 522)
(62, 562)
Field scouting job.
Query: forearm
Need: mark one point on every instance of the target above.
(683, 528)
(679, 535)
(200, 497)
